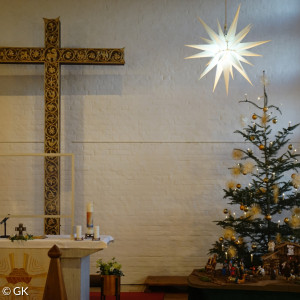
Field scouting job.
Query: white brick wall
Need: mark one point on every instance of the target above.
(152, 143)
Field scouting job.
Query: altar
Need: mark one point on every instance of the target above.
(25, 264)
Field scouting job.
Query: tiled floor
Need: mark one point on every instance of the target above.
(141, 288)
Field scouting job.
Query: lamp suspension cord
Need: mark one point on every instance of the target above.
(225, 25)
(265, 93)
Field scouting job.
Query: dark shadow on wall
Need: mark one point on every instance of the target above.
(72, 85)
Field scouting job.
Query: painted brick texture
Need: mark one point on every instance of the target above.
(152, 143)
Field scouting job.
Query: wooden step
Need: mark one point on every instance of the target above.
(166, 283)
(95, 280)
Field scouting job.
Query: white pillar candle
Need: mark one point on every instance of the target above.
(78, 232)
(89, 218)
(90, 207)
(96, 232)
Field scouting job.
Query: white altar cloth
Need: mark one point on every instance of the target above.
(30, 259)
(62, 241)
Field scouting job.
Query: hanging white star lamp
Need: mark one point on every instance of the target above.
(226, 50)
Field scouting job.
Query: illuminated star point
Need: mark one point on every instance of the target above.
(226, 51)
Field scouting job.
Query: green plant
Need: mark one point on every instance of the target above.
(21, 237)
(112, 267)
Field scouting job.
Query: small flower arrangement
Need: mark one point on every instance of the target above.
(21, 237)
(112, 267)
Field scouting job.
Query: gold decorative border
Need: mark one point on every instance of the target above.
(52, 125)
(62, 55)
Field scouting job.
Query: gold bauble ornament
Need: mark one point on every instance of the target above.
(253, 246)
(238, 185)
(286, 220)
(290, 147)
(265, 109)
(225, 211)
(246, 208)
(266, 179)
(252, 137)
(261, 147)
(242, 207)
(293, 175)
(233, 238)
(268, 217)
(254, 116)
(221, 239)
(274, 121)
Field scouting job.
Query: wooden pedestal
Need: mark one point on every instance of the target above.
(110, 286)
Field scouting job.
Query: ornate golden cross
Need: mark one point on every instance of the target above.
(52, 56)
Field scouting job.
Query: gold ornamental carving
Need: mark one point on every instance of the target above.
(52, 56)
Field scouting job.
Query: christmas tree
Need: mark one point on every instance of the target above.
(270, 201)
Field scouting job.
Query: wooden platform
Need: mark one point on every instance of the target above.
(166, 283)
(95, 280)
(264, 289)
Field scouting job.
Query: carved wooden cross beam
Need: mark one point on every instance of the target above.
(52, 56)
